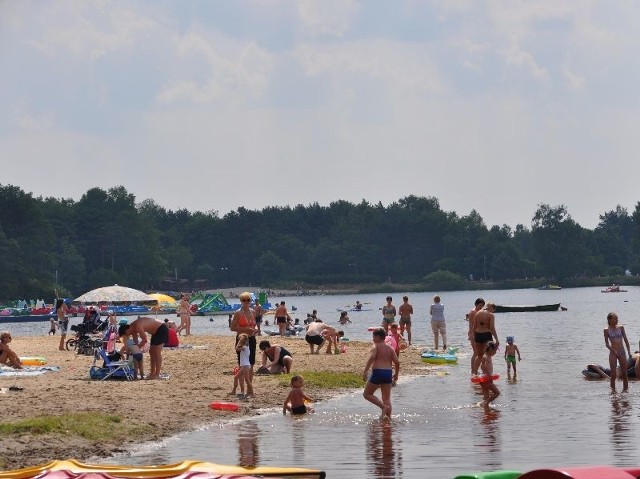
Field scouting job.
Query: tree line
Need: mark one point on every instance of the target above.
(107, 237)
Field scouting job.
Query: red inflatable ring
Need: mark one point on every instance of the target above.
(224, 406)
(483, 378)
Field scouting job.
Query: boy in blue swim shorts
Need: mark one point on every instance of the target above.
(385, 367)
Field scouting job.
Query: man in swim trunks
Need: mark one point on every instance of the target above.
(159, 332)
(382, 361)
(282, 315)
(258, 311)
(280, 358)
(315, 335)
(484, 330)
(405, 311)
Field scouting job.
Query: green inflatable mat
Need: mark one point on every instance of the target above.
(491, 475)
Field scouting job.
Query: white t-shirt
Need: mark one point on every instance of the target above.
(437, 312)
(244, 356)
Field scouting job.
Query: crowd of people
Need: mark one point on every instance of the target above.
(381, 369)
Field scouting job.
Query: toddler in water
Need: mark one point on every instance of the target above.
(294, 402)
(489, 389)
(510, 356)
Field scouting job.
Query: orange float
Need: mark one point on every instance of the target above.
(483, 378)
(224, 406)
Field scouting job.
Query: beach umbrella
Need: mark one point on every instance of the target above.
(163, 298)
(115, 295)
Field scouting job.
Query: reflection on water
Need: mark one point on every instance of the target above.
(622, 438)
(248, 451)
(384, 460)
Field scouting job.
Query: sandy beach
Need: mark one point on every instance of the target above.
(196, 378)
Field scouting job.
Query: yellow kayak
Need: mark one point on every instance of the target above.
(163, 471)
(33, 361)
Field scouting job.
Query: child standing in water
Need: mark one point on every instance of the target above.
(438, 324)
(294, 402)
(385, 366)
(489, 389)
(244, 375)
(510, 356)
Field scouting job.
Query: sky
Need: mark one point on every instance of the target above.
(489, 106)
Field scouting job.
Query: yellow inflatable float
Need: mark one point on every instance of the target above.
(204, 470)
(33, 361)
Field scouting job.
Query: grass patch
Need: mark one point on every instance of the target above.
(91, 426)
(325, 379)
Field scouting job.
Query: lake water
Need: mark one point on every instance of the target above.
(551, 416)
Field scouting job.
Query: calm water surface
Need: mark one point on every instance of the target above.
(551, 416)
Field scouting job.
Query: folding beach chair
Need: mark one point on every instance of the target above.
(110, 369)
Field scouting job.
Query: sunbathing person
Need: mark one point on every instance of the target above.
(7, 356)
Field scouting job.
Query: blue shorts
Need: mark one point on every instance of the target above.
(137, 356)
(381, 376)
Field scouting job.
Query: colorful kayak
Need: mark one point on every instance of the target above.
(202, 470)
(434, 358)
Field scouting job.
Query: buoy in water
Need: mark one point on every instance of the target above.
(483, 378)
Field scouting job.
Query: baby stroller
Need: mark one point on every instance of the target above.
(83, 342)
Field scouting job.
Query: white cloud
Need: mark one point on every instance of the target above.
(89, 29)
(326, 17)
(232, 69)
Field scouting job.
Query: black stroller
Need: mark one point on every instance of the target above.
(85, 341)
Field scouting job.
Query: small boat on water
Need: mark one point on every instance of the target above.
(614, 288)
(29, 315)
(526, 308)
(71, 468)
(549, 287)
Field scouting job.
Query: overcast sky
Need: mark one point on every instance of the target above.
(213, 105)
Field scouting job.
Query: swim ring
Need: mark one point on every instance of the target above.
(483, 378)
(433, 358)
(33, 361)
(224, 406)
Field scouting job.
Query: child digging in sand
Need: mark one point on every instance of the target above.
(295, 400)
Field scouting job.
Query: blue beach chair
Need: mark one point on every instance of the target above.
(109, 369)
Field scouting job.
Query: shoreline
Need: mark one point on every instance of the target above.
(165, 408)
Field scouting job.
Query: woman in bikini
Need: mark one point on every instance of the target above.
(388, 314)
(484, 330)
(615, 339)
(184, 310)
(244, 322)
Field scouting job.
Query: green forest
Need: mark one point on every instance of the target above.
(107, 238)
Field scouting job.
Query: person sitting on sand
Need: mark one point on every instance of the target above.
(174, 340)
(280, 358)
(7, 356)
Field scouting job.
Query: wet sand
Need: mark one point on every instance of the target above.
(180, 403)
